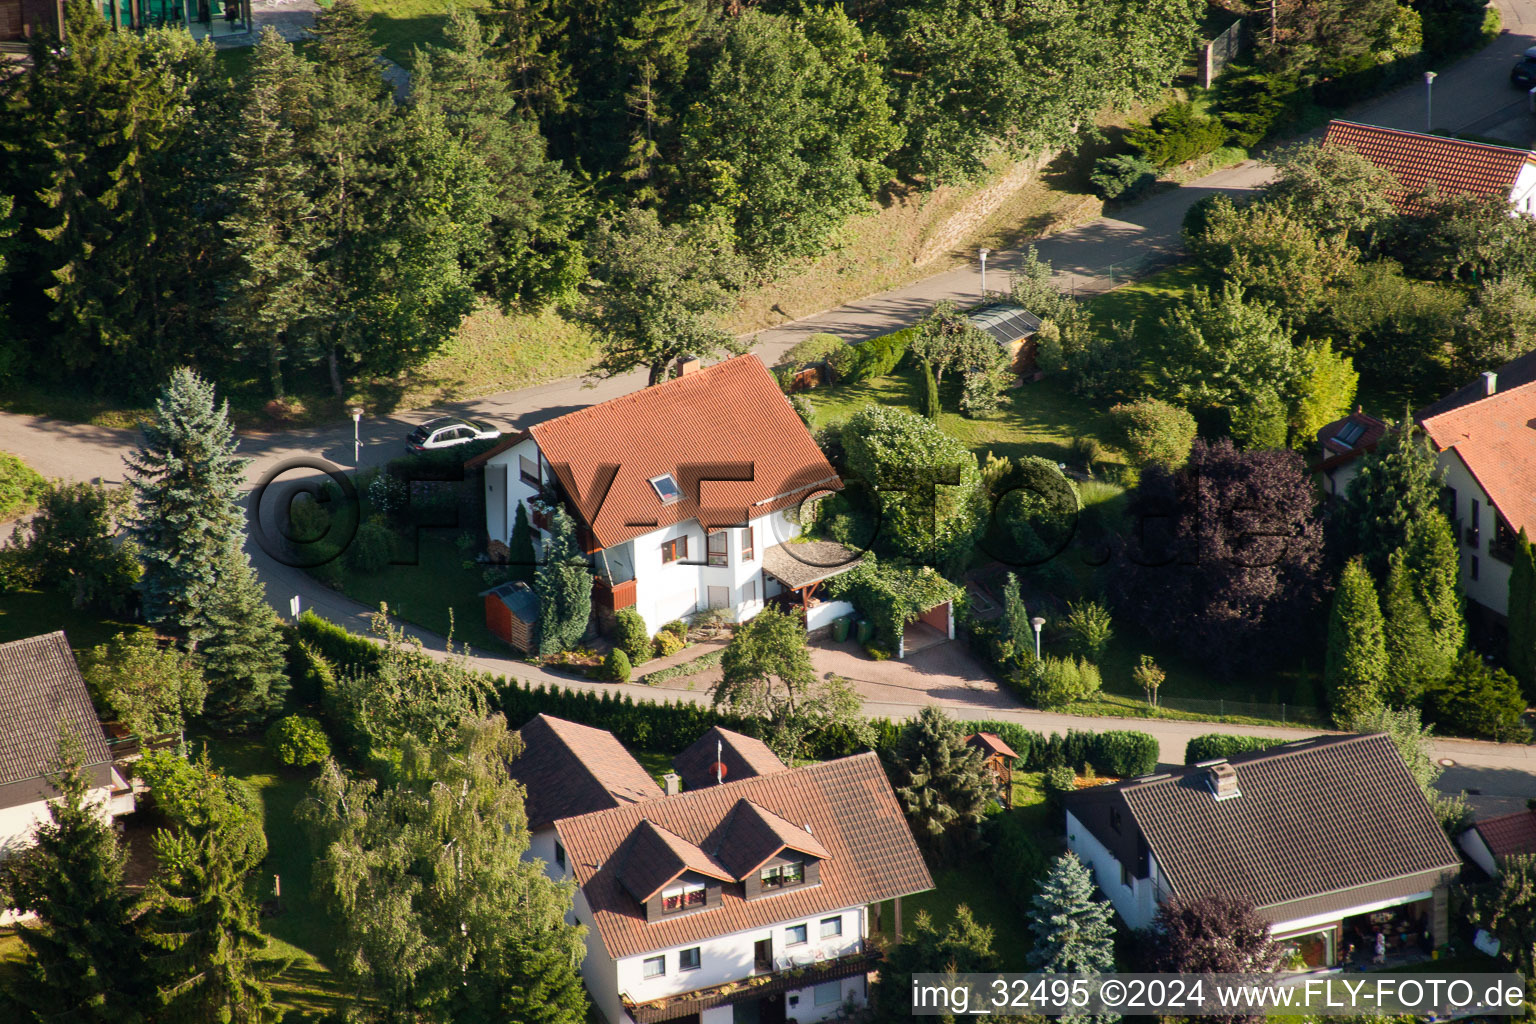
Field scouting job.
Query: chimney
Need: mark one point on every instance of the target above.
(672, 783)
(687, 365)
(1490, 383)
(1223, 780)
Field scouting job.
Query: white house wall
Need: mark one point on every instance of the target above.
(1491, 587)
(1523, 196)
(1472, 844)
(501, 509)
(1136, 903)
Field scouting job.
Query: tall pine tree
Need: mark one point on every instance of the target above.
(242, 647)
(187, 481)
(1433, 561)
(1073, 932)
(1522, 615)
(1356, 666)
(83, 960)
(1414, 654)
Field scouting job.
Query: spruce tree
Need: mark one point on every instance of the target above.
(270, 234)
(563, 582)
(241, 644)
(1522, 614)
(521, 556)
(943, 784)
(1073, 932)
(1016, 639)
(931, 406)
(1432, 560)
(525, 36)
(1356, 666)
(1394, 489)
(344, 47)
(82, 958)
(1414, 657)
(186, 480)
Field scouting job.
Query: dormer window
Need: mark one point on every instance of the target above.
(1349, 433)
(782, 875)
(666, 488)
(683, 896)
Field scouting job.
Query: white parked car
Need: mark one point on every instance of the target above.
(448, 431)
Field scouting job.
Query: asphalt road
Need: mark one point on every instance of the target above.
(1472, 95)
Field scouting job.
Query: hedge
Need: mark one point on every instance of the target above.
(874, 358)
(1216, 744)
(1121, 754)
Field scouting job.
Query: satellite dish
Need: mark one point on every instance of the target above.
(717, 771)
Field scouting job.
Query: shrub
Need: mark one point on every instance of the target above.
(812, 350)
(1088, 628)
(873, 358)
(1215, 744)
(1057, 682)
(842, 361)
(1152, 430)
(20, 487)
(1059, 781)
(1122, 176)
(630, 635)
(668, 643)
(1478, 702)
(677, 627)
(373, 546)
(388, 494)
(297, 740)
(1124, 754)
(981, 391)
(1177, 134)
(804, 408)
(616, 666)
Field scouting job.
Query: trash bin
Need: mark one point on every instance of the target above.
(866, 630)
(840, 629)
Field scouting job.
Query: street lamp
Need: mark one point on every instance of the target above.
(1037, 622)
(984, 254)
(357, 437)
(1429, 100)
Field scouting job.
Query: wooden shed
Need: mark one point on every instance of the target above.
(512, 613)
(1013, 328)
(1000, 757)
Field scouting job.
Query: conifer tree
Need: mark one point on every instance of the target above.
(1356, 665)
(242, 647)
(82, 957)
(1073, 932)
(1395, 487)
(520, 554)
(1415, 659)
(943, 784)
(1017, 637)
(1522, 614)
(270, 233)
(1432, 560)
(525, 40)
(187, 481)
(345, 47)
(563, 582)
(931, 406)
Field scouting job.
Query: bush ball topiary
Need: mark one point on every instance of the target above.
(617, 666)
(298, 740)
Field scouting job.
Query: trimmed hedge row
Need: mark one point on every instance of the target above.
(873, 358)
(1121, 754)
(1216, 744)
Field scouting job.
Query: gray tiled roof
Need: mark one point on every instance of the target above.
(41, 692)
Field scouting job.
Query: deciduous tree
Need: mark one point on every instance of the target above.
(72, 543)
(153, 687)
(1212, 934)
(1221, 350)
(1335, 190)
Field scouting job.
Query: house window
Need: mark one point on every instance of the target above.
(666, 488)
(831, 927)
(748, 548)
(688, 959)
(780, 875)
(795, 935)
(559, 854)
(1475, 567)
(1125, 876)
(1474, 528)
(1502, 546)
(528, 470)
(653, 967)
(674, 550)
(716, 547)
(829, 992)
(749, 592)
(682, 897)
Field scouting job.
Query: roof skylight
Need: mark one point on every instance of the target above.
(666, 488)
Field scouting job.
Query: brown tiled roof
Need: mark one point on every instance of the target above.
(743, 757)
(41, 692)
(1509, 834)
(753, 834)
(1313, 818)
(801, 564)
(1496, 438)
(571, 769)
(991, 743)
(726, 420)
(653, 856)
(848, 805)
(1518, 371)
(1417, 160)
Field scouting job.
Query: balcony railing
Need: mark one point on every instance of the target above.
(684, 1004)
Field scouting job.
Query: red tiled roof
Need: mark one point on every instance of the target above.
(753, 834)
(991, 743)
(742, 756)
(726, 420)
(1496, 438)
(1417, 160)
(653, 856)
(1509, 834)
(572, 769)
(847, 804)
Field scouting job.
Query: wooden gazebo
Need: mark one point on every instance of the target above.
(1000, 757)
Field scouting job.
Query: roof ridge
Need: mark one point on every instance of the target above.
(646, 393)
(39, 638)
(1478, 404)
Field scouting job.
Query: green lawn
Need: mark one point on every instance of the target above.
(1148, 300)
(972, 885)
(401, 25)
(25, 613)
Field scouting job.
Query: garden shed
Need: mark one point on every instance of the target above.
(512, 613)
(1013, 327)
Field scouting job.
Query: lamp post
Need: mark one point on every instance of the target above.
(1037, 622)
(357, 437)
(984, 254)
(1429, 101)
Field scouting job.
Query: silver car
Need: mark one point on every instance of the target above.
(448, 431)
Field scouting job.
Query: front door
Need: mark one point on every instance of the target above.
(762, 954)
